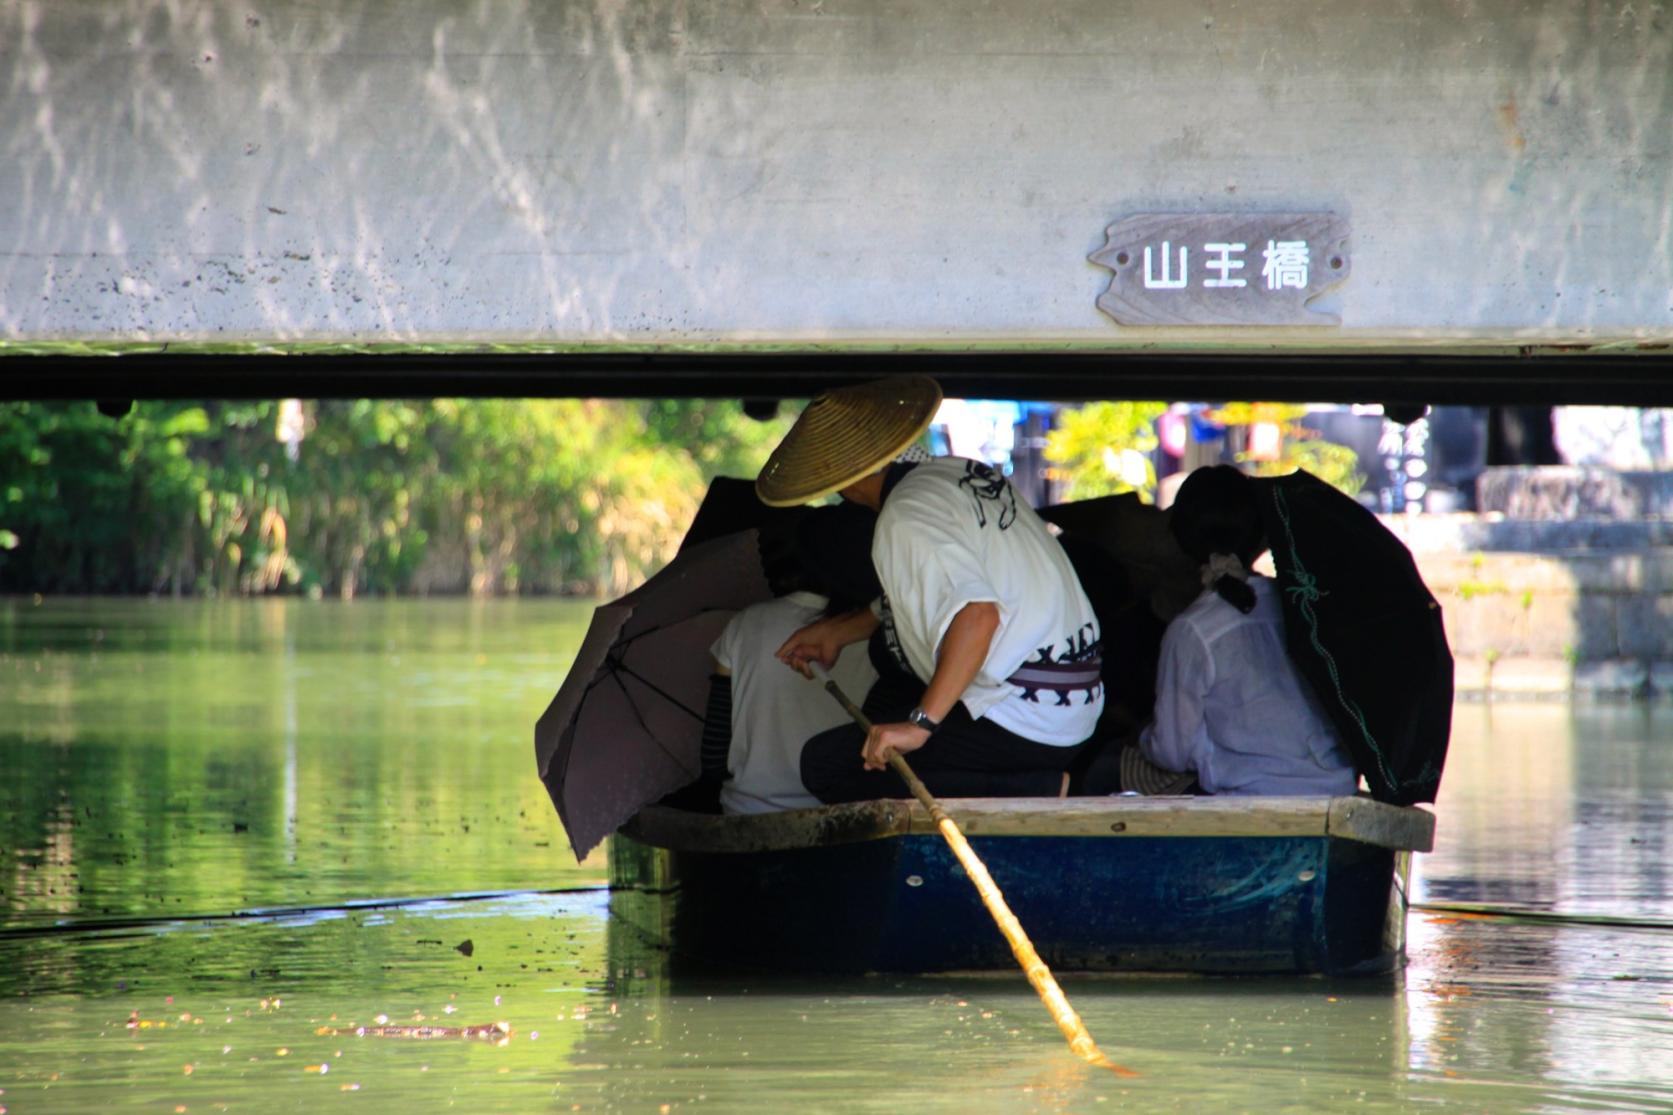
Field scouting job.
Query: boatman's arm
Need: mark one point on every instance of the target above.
(822, 641)
(957, 662)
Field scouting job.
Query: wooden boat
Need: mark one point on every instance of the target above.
(1117, 884)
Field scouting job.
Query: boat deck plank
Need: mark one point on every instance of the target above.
(1352, 818)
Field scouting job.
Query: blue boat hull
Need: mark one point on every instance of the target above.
(1232, 904)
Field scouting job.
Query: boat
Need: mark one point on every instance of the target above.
(1232, 885)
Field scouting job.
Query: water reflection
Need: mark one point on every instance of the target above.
(963, 1044)
(167, 758)
(1556, 807)
(252, 1009)
(1575, 1015)
(263, 1013)
(1563, 809)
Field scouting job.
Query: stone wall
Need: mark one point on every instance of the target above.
(1547, 494)
(1551, 609)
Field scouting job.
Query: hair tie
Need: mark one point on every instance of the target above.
(1223, 565)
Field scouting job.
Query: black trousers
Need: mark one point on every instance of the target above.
(965, 758)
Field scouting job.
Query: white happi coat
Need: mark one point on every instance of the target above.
(953, 532)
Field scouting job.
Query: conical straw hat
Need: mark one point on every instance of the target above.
(1145, 777)
(846, 435)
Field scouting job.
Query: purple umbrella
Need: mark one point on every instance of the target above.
(624, 729)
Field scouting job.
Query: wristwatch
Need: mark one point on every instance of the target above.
(922, 719)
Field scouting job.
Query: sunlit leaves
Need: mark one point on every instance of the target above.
(1299, 447)
(1105, 448)
(1088, 446)
(193, 420)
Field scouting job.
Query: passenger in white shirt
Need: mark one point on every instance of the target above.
(1230, 705)
(760, 714)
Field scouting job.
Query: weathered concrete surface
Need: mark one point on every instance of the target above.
(847, 170)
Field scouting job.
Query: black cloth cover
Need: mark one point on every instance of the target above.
(1365, 631)
(1131, 633)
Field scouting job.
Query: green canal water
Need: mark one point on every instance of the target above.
(233, 835)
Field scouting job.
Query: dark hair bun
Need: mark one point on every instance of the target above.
(833, 549)
(1215, 513)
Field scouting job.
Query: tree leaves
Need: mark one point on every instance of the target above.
(487, 496)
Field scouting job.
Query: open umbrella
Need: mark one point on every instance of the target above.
(729, 506)
(625, 727)
(1359, 623)
(1365, 630)
(1135, 535)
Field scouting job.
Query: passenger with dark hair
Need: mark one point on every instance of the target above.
(1230, 705)
(818, 563)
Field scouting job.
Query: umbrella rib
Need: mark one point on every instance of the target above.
(614, 668)
(650, 735)
(614, 664)
(619, 667)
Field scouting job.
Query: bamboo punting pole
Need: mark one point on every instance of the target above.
(1080, 1041)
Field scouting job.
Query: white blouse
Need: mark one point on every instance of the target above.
(1231, 706)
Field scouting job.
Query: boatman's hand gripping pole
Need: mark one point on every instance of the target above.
(1038, 974)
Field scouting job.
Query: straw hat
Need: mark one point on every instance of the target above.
(1144, 776)
(846, 435)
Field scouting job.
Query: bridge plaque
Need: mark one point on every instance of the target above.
(1223, 268)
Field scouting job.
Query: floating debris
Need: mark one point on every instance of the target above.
(497, 1032)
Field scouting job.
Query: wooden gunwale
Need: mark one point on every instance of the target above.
(1351, 818)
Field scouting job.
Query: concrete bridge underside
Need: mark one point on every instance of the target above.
(814, 174)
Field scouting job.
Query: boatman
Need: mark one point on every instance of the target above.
(979, 604)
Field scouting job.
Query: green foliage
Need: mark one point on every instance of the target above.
(1094, 449)
(383, 496)
(721, 440)
(1299, 446)
(1086, 448)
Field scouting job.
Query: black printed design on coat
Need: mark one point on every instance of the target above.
(1078, 669)
(987, 485)
(891, 637)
